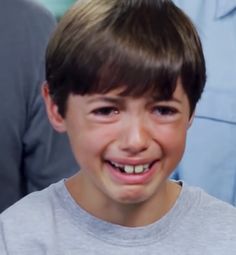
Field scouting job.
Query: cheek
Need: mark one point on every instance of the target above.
(90, 141)
(173, 141)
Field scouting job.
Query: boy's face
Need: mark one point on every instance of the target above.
(126, 147)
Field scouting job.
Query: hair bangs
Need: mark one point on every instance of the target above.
(138, 76)
(137, 63)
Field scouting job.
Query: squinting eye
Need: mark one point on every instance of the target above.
(165, 110)
(106, 111)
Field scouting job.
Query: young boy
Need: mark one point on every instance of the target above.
(123, 80)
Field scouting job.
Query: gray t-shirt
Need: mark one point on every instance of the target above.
(50, 222)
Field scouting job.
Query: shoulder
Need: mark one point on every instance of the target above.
(27, 225)
(31, 220)
(211, 211)
(30, 8)
(208, 202)
(36, 207)
(217, 209)
(206, 223)
(32, 13)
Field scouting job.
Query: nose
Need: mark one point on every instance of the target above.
(135, 137)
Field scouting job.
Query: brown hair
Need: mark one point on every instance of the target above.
(141, 45)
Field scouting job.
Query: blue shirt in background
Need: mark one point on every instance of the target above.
(210, 158)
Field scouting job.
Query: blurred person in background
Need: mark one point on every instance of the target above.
(214, 128)
(32, 155)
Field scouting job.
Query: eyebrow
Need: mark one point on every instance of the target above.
(159, 99)
(120, 100)
(108, 99)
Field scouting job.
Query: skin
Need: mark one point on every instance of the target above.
(104, 129)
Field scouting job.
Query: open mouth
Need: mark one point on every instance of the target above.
(131, 169)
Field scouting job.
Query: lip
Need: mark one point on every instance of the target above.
(131, 162)
(132, 179)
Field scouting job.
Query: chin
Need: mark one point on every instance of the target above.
(133, 196)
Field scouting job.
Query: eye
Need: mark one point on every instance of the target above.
(106, 111)
(165, 110)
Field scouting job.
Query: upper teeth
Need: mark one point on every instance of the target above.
(129, 169)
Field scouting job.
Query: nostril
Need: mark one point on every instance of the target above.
(133, 148)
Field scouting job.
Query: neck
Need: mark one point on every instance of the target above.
(130, 215)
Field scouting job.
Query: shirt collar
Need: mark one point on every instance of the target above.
(224, 7)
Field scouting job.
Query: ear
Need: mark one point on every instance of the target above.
(191, 119)
(55, 118)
